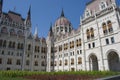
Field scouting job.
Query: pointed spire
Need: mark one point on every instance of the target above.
(62, 13)
(1, 5)
(1, 2)
(29, 13)
(50, 27)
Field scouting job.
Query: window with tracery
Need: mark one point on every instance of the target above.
(110, 29)
(4, 30)
(104, 26)
(12, 32)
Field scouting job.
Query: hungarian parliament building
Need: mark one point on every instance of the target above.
(95, 45)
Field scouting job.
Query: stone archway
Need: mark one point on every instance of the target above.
(93, 63)
(113, 61)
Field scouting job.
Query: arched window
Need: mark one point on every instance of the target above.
(104, 26)
(13, 45)
(9, 61)
(18, 62)
(79, 43)
(43, 63)
(52, 63)
(12, 32)
(110, 28)
(20, 33)
(29, 47)
(79, 60)
(72, 44)
(18, 46)
(21, 46)
(4, 43)
(39, 49)
(55, 63)
(10, 44)
(88, 34)
(72, 61)
(92, 32)
(4, 30)
(27, 62)
(60, 63)
(66, 62)
(36, 63)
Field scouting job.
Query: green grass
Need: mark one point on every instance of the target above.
(11, 78)
(17, 75)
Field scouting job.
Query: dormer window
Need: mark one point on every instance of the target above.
(87, 13)
(103, 5)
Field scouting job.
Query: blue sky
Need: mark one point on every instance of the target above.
(45, 12)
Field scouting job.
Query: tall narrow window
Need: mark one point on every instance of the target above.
(93, 44)
(72, 61)
(18, 46)
(92, 33)
(27, 62)
(110, 29)
(0, 60)
(1, 41)
(18, 62)
(79, 60)
(21, 46)
(55, 63)
(104, 28)
(29, 47)
(42, 63)
(66, 62)
(107, 41)
(9, 61)
(60, 63)
(89, 46)
(13, 45)
(2, 52)
(88, 34)
(112, 40)
(4, 43)
(36, 63)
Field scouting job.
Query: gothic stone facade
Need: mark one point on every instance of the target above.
(93, 46)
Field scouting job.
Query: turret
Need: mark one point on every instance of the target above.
(27, 22)
(36, 34)
(28, 19)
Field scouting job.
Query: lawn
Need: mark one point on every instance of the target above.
(78, 75)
